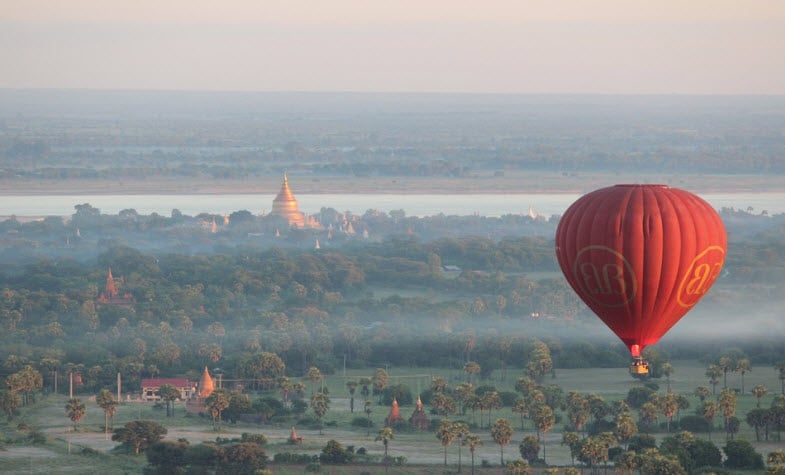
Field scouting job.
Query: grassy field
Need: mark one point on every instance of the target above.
(422, 450)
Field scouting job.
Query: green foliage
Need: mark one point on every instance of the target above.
(335, 453)
(139, 435)
(741, 454)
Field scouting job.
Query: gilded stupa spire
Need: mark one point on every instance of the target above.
(285, 205)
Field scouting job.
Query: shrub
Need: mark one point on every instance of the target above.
(313, 467)
(694, 424)
(361, 422)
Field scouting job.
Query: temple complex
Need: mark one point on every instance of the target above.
(395, 414)
(419, 419)
(111, 296)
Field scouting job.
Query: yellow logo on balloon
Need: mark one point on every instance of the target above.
(605, 276)
(701, 273)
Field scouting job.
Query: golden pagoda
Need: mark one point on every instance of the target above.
(206, 384)
(285, 206)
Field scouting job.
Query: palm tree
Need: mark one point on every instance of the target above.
(759, 391)
(446, 435)
(169, 394)
(727, 404)
(352, 387)
(544, 419)
(107, 402)
(667, 370)
(780, 367)
(713, 372)
(368, 411)
(725, 364)
(743, 366)
(709, 411)
(461, 430)
(385, 436)
(320, 403)
(75, 410)
(501, 431)
(473, 441)
(314, 376)
(216, 403)
(471, 368)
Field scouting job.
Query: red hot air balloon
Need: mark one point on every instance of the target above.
(640, 256)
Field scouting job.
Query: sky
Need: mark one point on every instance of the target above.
(455, 46)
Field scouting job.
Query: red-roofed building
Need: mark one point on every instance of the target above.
(150, 387)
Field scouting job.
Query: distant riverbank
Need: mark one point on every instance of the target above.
(479, 183)
(544, 205)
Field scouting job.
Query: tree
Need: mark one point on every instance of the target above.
(314, 376)
(473, 441)
(446, 435)
(9, 401)
(626, 428)
(380, 379)
(741, 454)
(75, 410)
(490, 401)
(368, 410)
(501, 432)
(385, 436)
(108, 404)
(461, 430)
(743, 366)
(726, 364)
(727, 405)
(626, 462)
(669, 404)
(335, 453)
(352, 387)
(776, 462)
(264, 367)
(168, 457)
(216, 403)
(471, 368)
(529, 448)
(713, 372)
(521, 408)
(320, 404)
(139, 434)
(648, 414)
(709, 410)
(780, 367)
(518, 467)
(169, 394)
(758, 419)
(759, 391)
(667, 370)
(572, 440)
(543, 419)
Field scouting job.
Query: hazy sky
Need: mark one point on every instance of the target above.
(487, 46)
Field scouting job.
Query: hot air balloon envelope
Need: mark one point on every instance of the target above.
(640, 256)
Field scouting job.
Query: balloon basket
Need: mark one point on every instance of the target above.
(639, 366)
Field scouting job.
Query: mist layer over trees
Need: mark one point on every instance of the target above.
(202, 294)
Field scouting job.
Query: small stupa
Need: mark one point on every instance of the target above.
(294, 439)
(419, 419)
(206, 384)
(395, 414)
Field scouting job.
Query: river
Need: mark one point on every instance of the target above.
(421, 205)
